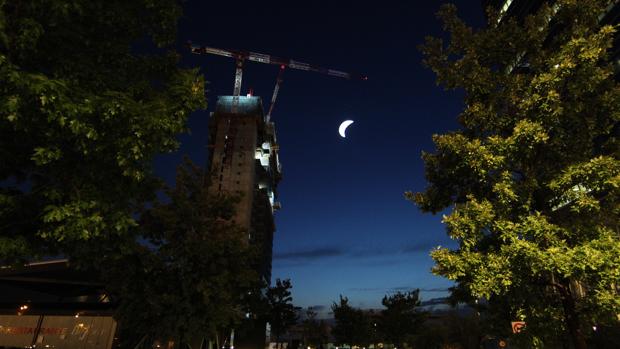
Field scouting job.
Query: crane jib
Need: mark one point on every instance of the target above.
(268, 59)
(218, 52)
(338, 73)
(259, 57)
(299, 65)
(241, 56)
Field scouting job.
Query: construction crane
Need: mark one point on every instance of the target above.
(241, 56)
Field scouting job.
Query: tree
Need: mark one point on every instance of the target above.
(533, 175)
(89, 94)
(281, 314)
(450, 331)
(192, 277)
(401, 318)
(353, 326)
(315, 332)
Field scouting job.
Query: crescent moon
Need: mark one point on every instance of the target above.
(343, 127)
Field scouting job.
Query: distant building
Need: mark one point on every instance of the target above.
(513, 8)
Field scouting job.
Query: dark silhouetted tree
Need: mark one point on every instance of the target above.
(281, 311)
(353, 326)
(401, 318)
(315, 331)
(192, 275)
(453, 330)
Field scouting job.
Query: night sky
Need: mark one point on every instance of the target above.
(345, 227)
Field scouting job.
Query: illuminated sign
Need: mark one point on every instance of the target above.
(58, 331)
(517, 326)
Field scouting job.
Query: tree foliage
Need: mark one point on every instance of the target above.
(281, 311)
(533, 175)
(193, 275)
(353, 326)
(401, 319)
(82, 112)
(315, 332)
(453, 330)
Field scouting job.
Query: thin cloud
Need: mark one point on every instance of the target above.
(397, 289)
(309, 254)
(371, 256)
(422, 289)
(382, 289)
(403, 288)
(425, 247)
(436, 289)
(367, 289)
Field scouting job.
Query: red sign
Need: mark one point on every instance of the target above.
(517, 326)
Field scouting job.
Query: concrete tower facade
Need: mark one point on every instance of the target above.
(243, 160)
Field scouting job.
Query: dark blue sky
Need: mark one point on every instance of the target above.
(345, 227)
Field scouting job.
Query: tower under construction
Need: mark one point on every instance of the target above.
(243, 157)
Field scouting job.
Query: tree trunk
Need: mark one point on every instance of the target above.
(572, 318)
